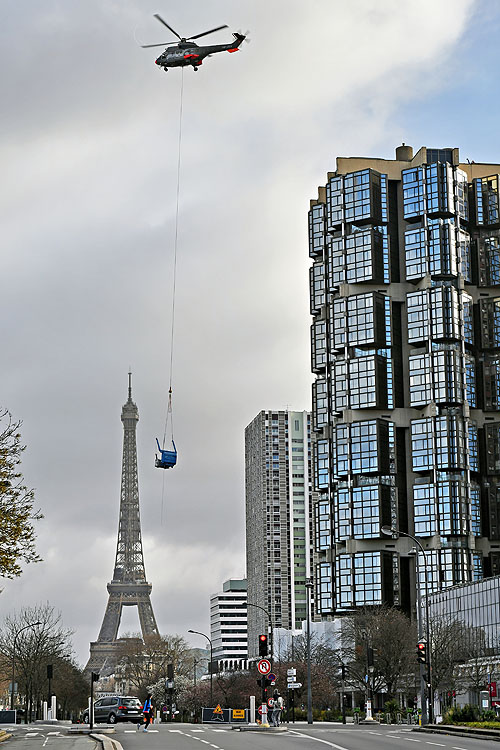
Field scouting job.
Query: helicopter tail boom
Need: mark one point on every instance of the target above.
(238, 40)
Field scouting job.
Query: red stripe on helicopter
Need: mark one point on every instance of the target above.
(235, 49)
(191, 54)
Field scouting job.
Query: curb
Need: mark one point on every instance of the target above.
(106, 742)
(272, 730)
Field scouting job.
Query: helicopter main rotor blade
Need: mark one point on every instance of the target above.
(144, 46)
(197, 36)
(160, 19)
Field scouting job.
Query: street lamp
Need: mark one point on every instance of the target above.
(309, 586)
(389, 531)
(270, 626)
(197, 632)
(31, 625)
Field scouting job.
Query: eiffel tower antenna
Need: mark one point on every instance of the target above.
(129, 586)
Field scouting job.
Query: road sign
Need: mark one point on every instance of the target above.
(291, 672)
(271, 677)
(264, 666)
(293, 685)
(262, 709)
(270, 702)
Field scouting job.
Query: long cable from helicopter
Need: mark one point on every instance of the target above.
(169, 414)
(174, 274)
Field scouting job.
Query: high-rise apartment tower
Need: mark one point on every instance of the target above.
(278, 520)
(405, 298)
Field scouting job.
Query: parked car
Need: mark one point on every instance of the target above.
(115, 708)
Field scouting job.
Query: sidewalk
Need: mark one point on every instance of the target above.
(459, 731)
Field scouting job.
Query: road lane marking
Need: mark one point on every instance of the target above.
(379, 733)
(206, 742)
(439, 744)
(409, 739)
(130, 731)
(197, 730)
(318, 739)
(218, 730)
(179, 731)
(459, 748)
(216, 746)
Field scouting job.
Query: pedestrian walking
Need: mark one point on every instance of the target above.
(275, 716)
(147, 712)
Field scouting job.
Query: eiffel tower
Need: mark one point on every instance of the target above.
(129, 586)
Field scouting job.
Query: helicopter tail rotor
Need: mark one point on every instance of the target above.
(245, 35)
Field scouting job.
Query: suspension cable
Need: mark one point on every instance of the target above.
(174, 274)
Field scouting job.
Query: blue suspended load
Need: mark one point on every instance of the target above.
(166, 459)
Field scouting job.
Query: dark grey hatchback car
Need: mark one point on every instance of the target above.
(115, 708)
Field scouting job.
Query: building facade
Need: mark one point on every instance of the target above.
(405, 347)
(475, 604)
(228, 626)
(278, 520)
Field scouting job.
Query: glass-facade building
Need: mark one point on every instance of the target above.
(405, 350)
(475, 604)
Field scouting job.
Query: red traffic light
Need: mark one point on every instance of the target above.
(262, 645)
(421, 652)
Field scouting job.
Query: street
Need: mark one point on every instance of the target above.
(299, 737)
(193, 737)
(48, 736)
(302, 737)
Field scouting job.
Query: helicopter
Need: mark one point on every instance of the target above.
(187, 52)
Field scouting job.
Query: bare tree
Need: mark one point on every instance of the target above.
(17, 514)
(390, 637)
(449, 647)
(144, 662)
(36, 647)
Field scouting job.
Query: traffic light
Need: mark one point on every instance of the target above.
(369, 656)
(262, 645)
(422, 652)
(50, 671)
(94, 676)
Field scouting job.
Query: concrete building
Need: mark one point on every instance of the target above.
(228, 625)
(278, 520)
(405, 345)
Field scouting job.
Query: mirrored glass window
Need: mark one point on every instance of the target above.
(489, 260)
(491, 382)
(317, 230)
(489, 314)
(322, 469)
(487, 201)
(324, 587)
(317, 287)
(318, 345)
(320, 403)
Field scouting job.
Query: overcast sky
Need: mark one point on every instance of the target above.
(89, 156)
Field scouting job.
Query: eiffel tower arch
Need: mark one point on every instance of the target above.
(129, 587)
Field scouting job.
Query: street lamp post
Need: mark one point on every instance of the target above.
(309, 585)
(31, 625)
(391, 532)
(197, 632)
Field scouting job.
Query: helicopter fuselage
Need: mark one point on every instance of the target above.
(189, 53)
